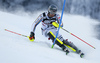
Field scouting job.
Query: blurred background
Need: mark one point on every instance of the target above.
(89, 8)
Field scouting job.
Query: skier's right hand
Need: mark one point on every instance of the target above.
(32, 36)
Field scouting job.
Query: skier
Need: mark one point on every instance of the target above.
(50, 31)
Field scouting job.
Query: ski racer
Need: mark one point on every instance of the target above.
(49, 31)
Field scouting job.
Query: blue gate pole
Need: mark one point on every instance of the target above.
(59, 23)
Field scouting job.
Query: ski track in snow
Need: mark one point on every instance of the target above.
(18, 49)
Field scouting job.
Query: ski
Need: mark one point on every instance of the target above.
(81, 54)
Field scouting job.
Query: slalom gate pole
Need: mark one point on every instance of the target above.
(17, 33)
(59, 23)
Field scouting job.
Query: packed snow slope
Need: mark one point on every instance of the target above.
(18, 49)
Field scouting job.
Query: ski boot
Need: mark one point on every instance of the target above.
(81, 54)
(65, 49)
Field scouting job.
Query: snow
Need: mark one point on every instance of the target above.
(18, 49)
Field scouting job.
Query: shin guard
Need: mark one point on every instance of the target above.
(58, 42)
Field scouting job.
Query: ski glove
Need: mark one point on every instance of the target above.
(32, 36)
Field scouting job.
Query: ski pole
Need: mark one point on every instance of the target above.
(57, 25)
(20, 35)
(79, 38)
(17, 33)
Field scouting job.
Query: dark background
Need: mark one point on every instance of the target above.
(81, 7)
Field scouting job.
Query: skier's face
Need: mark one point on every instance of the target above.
(51, 15)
